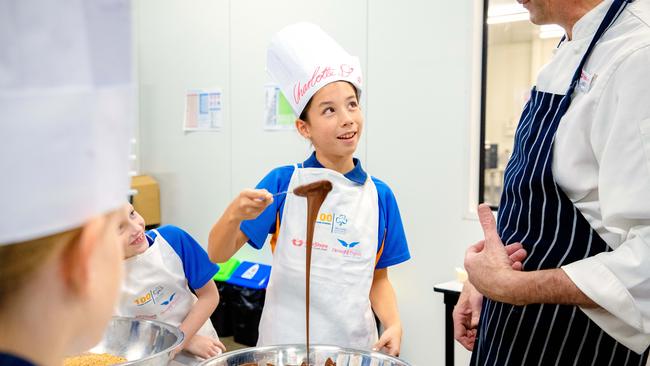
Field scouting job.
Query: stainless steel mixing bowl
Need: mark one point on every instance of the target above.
(294, 354)
(141, 342)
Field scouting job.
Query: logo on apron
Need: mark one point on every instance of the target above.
(157, 295)
(315, 245)
(337, 223)
(348, 250)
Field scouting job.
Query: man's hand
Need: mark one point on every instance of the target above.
(492, 269)
(466, 316)
(490, 266)
(517, 254)
(467, 311)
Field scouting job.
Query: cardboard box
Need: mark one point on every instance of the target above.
(147, 200)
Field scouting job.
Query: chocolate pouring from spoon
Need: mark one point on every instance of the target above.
(315, 193)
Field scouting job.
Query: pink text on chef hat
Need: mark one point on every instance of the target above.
(320, 73)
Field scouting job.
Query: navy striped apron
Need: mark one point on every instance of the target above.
(536, 212)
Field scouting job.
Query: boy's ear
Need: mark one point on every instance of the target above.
(303, 128)
(76, 258)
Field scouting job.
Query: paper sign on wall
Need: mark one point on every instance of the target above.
(203, 110)
(278, 114)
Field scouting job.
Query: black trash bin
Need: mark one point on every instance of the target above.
(222, 317)
(247, 300)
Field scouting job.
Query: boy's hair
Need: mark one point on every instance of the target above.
(19, 261)
(303, 114)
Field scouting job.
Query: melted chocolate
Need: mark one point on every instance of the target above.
(329, 362)
(315, 194)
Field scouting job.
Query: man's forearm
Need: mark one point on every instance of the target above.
(549, 286)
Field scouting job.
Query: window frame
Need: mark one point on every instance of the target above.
(483, 107)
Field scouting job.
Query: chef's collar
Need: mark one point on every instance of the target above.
(357, 174)
(588, 24)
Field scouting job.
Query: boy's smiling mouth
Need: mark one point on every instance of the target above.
(138, 239)
(347, 135)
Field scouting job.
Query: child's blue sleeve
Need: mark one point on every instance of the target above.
(259, 228)
(196, 264)
(393, 248)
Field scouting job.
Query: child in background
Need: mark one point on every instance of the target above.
(359, 232)
(160, 264)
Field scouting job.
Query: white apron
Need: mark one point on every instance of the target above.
(342, 267)
(155, 287)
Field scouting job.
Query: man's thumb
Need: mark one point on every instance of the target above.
(488, 224)
(476, 316)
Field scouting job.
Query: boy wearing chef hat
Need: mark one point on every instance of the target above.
(160, 267)
(65, 107)
(359, 232)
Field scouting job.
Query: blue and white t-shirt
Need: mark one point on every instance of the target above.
(196, 263)
(157, 282)
(392, 247)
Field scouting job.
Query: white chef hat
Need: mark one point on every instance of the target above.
(66, 111)
(302, 58)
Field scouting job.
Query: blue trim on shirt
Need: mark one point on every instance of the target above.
(197, 266)
(357, 174)
(390, 222)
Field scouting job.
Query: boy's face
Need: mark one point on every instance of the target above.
(335, 121)
(132, 233)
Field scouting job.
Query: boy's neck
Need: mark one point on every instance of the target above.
(134, 255)
(343, 164)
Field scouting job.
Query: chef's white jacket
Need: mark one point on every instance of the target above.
(601, 160)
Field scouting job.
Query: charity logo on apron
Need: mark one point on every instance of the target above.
(536, 212)
(155, 287)
(342, 267)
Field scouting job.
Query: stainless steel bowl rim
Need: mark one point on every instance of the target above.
(315, 347)
(180, 337)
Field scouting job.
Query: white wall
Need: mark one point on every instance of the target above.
(419, 76)
(418, 59)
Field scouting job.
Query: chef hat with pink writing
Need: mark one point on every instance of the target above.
(302, 58)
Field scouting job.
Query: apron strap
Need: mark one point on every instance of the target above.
(612, 14)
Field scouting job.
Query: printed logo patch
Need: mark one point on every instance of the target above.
(167, 302)
(157, 295)
(348, 249)
(586, 81)
(315, 245)
(348, 245)
(337, 223)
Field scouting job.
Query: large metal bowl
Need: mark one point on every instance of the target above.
(141, 342)
(294, 354)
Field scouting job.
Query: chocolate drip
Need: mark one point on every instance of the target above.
(315, 193)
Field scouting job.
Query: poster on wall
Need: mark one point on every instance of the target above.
(203, 110)
(278, 115)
